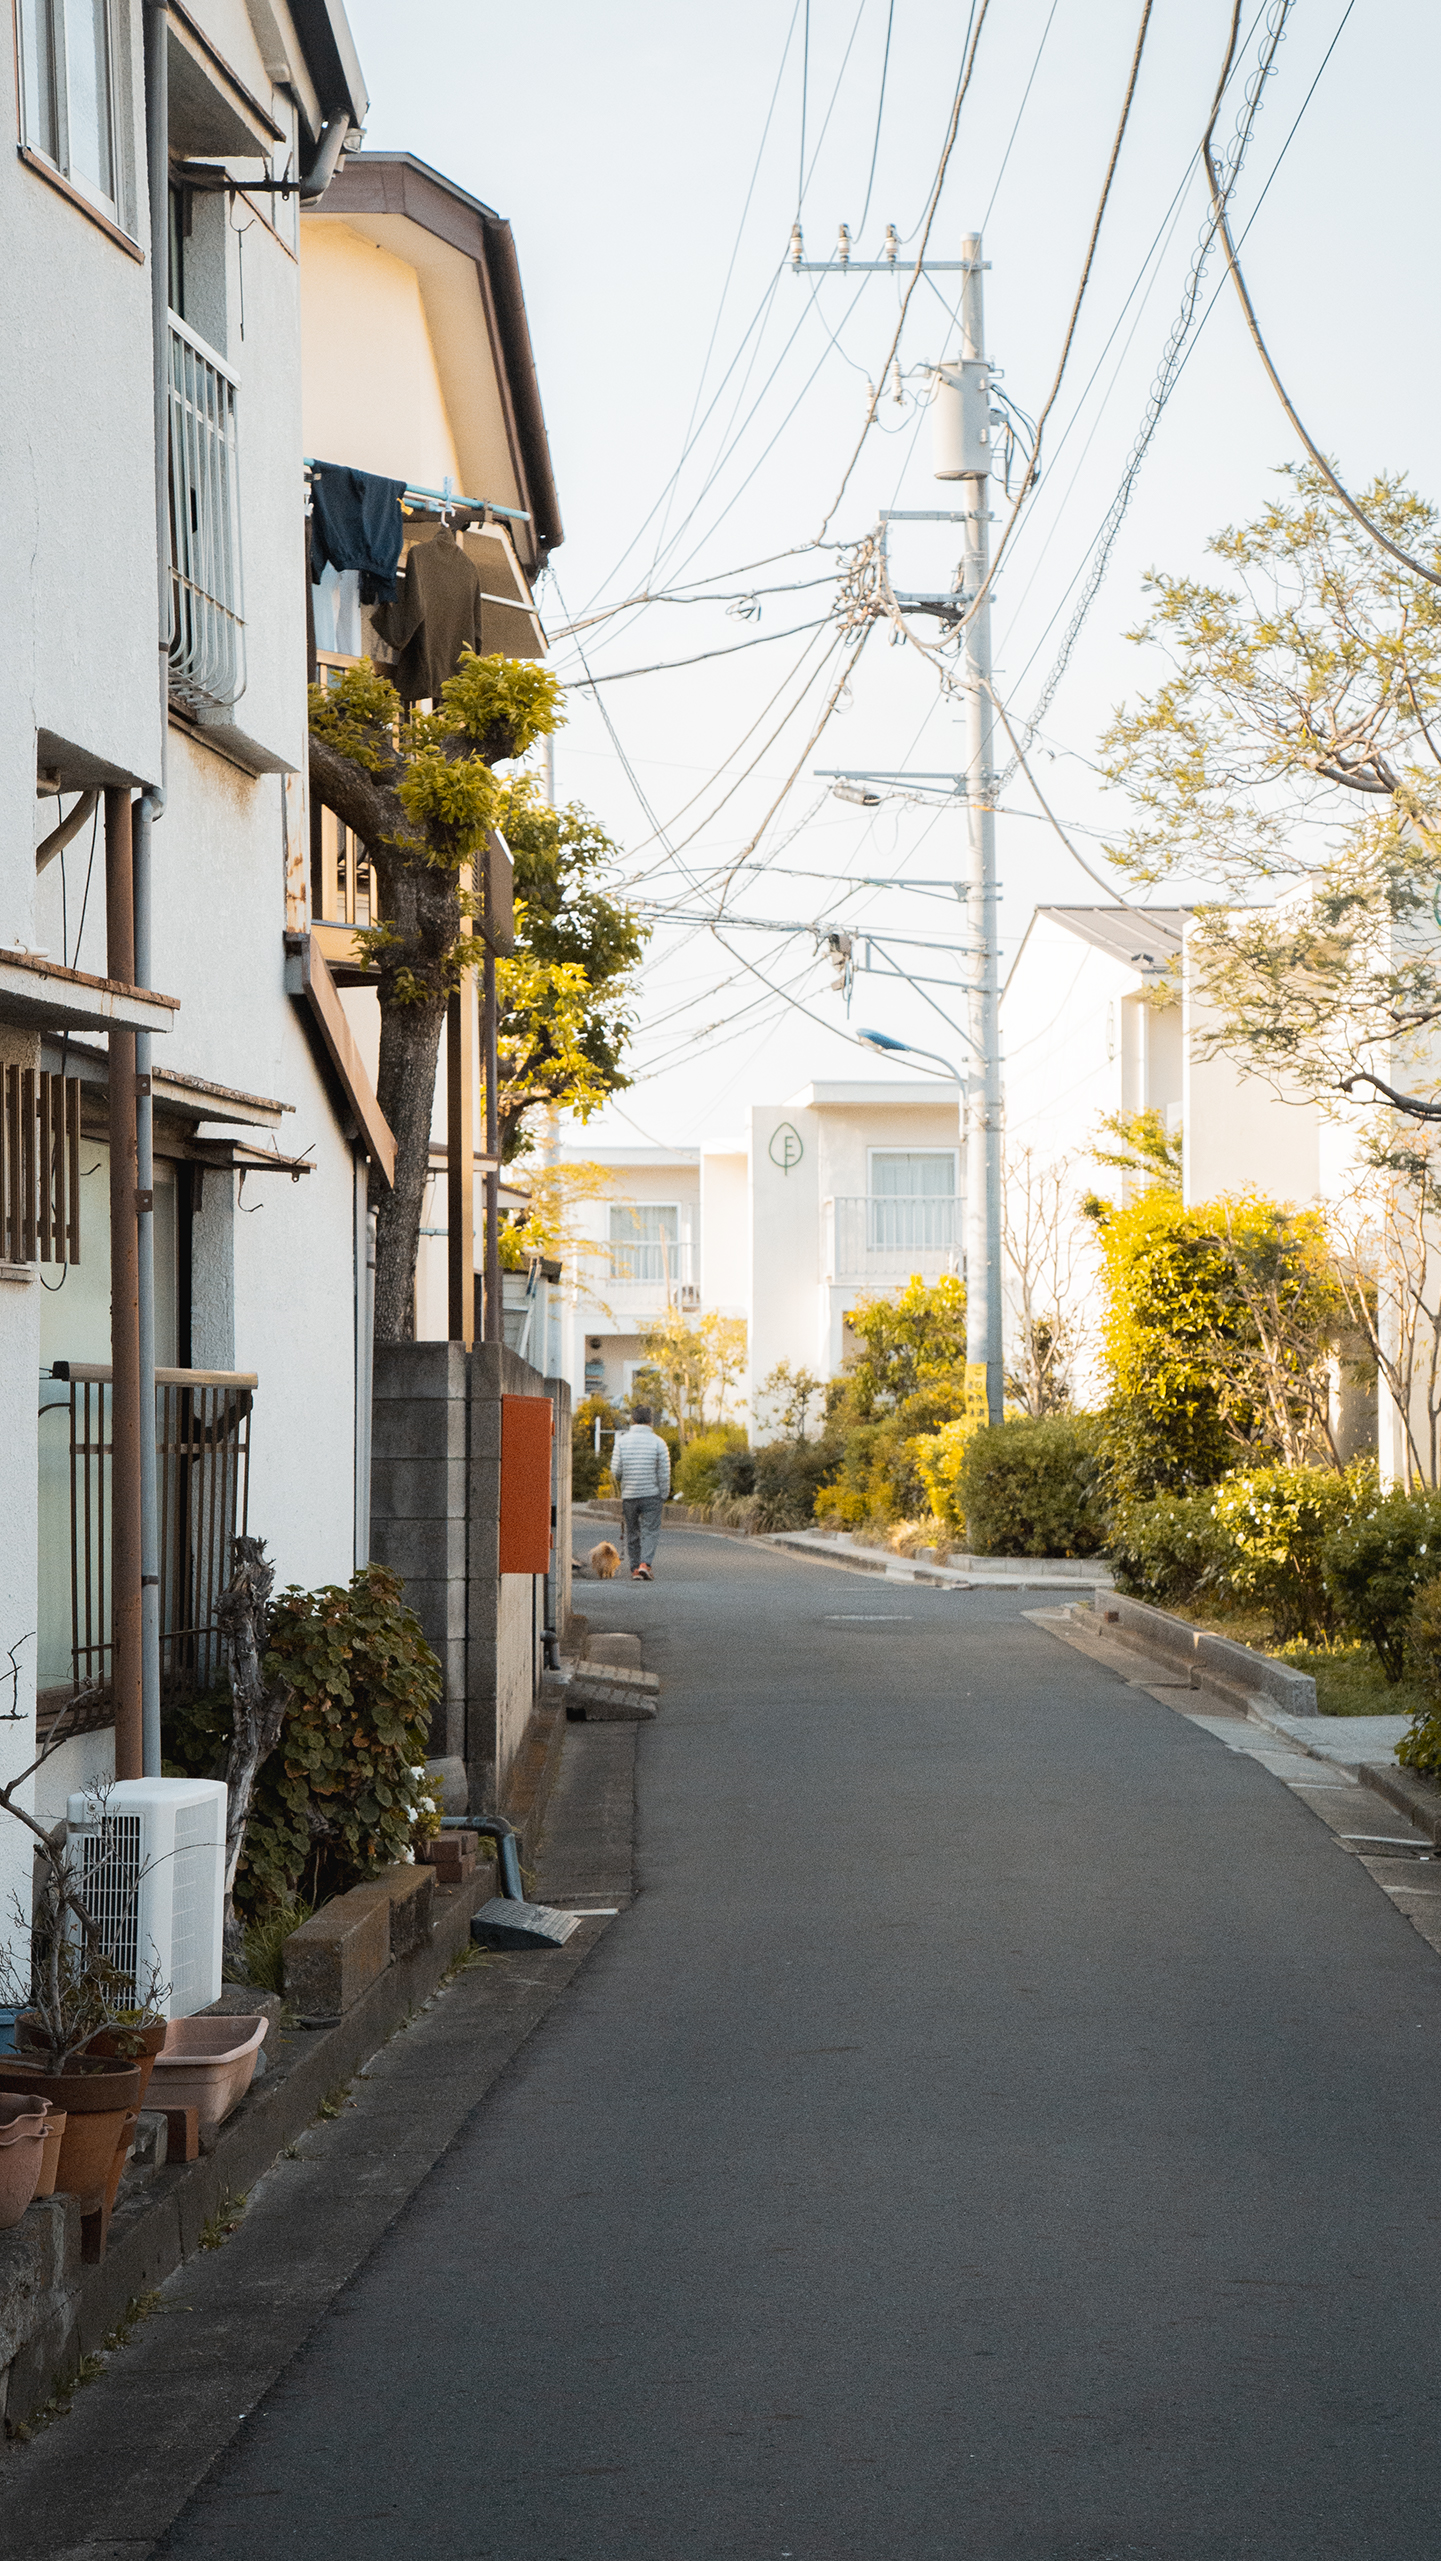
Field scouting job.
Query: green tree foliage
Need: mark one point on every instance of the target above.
(1219, 1324)
(1376, 1566)
(565, 998)
(345, 1789)
(420, 792)
(589, 1466)
(1294, 741)
(914, 1341)
(1141, 1145)
(1030, 1486)
(698, 1478)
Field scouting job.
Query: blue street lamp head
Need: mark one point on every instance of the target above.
(881, 1040)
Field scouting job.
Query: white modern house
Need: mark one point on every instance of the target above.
(840, 1193)
(152, 727)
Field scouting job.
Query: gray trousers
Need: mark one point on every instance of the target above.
(641, 1514)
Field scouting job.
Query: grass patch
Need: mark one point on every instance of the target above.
(1350, 1682)
(138, 2309)
(227, 2218)
(265, 1944)
(333, 2101)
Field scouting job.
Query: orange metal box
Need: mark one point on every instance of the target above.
(526, 1426)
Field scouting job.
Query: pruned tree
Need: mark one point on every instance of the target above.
(1386, 1245)
(1294, 746)
(789, 1394)
(258, 1704)
(421, 793)
(1047, 1249)
(693, 1364)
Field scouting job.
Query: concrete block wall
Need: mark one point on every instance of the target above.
(435, 1520)
(420, 1438)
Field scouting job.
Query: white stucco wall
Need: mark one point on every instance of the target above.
(372, 392)
(724, 1232)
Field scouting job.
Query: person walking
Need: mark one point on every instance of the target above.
(640, 1464)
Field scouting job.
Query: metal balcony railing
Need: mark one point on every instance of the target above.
(207, 632)
(202, 1440)
(876, 1236)
(650, 1262)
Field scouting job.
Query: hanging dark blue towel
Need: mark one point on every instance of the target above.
(356, 524)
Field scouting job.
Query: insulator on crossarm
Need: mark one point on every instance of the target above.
(798, 246)
(843, 245)
(893, 243)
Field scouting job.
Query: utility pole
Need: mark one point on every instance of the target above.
(983, 1097)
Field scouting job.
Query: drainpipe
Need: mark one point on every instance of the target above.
(493, 1827)
(126, 1417)
(315, 179)
(151, 807)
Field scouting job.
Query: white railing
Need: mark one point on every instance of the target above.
(876, 1236)
(207, 638)
(651, 1262)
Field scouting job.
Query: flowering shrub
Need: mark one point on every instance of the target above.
(1270, 1526)
(1420, 1749)
(1376, 1567)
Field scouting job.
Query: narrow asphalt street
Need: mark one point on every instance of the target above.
(1005, 2125)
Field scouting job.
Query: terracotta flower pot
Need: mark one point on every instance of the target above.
(132, 2045)
(55, 2125)
(208, 2064)
(96, 2097)
(22, 2155)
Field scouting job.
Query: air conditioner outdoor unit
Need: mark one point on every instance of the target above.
(151, 1856)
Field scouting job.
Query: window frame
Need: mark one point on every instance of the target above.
(953, 1154)
(108, 210)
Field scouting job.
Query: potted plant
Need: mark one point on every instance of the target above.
(69, 1993)
(22, 2154)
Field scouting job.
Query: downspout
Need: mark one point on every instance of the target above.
(315, 179)
(151, 807)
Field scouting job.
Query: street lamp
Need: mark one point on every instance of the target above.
(883, 1042)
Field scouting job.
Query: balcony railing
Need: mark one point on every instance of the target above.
(202, 1441)
(207, 634)
(875, 1237)
(659, 1264)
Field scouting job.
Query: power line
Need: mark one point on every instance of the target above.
(662, 666)
(1432, 576)
(881, 109)
(978, 20)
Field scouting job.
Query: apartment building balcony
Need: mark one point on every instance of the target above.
(207, 642)
(880, 1239)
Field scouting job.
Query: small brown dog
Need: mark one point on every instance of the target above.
(605, 1561)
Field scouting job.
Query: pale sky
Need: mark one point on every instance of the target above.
(702, 403)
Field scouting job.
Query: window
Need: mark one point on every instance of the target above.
(69, 91)
(644, 1241)
(897, 1174)
(912, 1200)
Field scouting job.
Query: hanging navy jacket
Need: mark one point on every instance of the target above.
(356, 523)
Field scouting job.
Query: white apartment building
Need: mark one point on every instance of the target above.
(840, 1193)
(150, 454)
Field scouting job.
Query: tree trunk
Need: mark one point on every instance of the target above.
(409, 1051)
(242, 1615)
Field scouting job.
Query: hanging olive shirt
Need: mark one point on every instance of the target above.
(435, 616)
